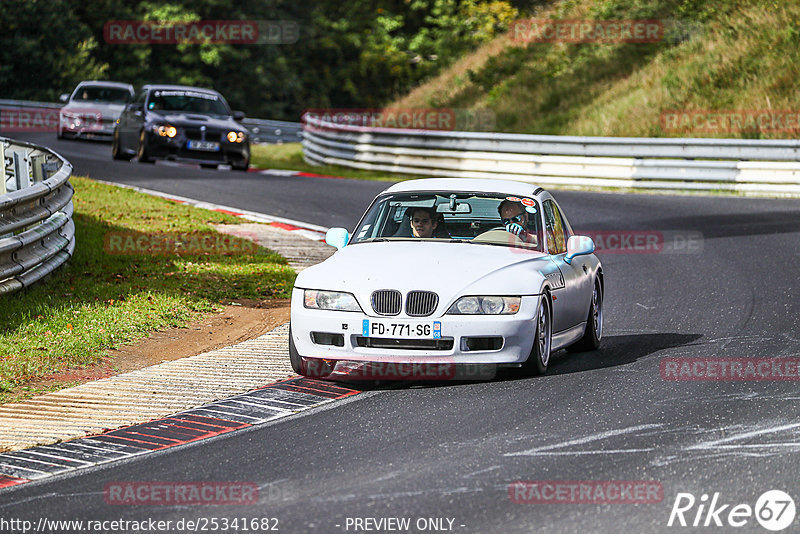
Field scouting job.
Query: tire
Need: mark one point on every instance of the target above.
(59, 134)
(299, 365)
(116, 151)
(243, 166)
(142, 153)
(594, 323)
(209, 166)
(537, 361)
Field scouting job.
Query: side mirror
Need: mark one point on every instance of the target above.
(578, 245)
(64, 97)
(337, 237)
(238, 116)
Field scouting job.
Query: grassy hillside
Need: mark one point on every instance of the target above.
(721, 55)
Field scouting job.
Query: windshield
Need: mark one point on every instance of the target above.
(98, 93)
(466, 217)
(188, 101)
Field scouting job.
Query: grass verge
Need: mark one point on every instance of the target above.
(290, 156)
(726, 56)
(101, 299)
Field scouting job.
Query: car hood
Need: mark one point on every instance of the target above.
(449, 269)
(194, 119)
(104, 108)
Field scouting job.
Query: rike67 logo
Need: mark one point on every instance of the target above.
(774, 510)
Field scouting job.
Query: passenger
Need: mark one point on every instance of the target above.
(515, 220)
(423, 222)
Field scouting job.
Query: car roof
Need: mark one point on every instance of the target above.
(477, 185)
(163, 87)
(120, 85)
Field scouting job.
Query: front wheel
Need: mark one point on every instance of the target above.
(244, 164)
(594, 323)
(537, 361)
(116, 150)
(143, 154)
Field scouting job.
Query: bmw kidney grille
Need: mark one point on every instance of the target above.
(386, 301)
(421, 303)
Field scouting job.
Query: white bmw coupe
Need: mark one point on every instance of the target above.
(450, 271)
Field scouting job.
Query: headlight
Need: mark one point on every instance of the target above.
(485, 306)
(70, 115)
(235, 137)
(330, 300)
(165, 130)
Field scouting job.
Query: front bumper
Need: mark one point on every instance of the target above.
(310, 326)
(176, 148)
(87, 127)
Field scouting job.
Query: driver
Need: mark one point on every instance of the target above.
(423, 222)
(515, 220)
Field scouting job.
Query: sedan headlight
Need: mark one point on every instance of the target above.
(330, 300)
(235, 137)
(165, 130)
(485, 306)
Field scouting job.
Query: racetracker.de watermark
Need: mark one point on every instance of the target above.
(399, 371)
(447, 119)
(180, 493)
(730, 369)
(585, 492)
(587, 31)
(710, 121)
(171, 32)
(177, 244)
(23, 119)
(644, 241)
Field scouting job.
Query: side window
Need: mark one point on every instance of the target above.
(140, 98)
(556, 236)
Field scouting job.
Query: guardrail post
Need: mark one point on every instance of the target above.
(36, 163)
(22, 172)
(39, 173)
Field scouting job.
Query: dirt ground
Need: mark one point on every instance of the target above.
(242, 320)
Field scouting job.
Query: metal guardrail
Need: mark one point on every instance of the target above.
(742, 165)
(37, 234)
(29, 104)
(274, 132)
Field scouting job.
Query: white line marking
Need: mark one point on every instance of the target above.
(583, 453)
(744, 435)
(584, 440)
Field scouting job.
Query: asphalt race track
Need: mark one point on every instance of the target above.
(723, 285)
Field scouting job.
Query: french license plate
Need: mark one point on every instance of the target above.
(207, 146)
(426, 330)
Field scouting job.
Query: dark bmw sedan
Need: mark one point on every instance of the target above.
(181, 123)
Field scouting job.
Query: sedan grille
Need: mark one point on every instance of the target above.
(386, 302)
(421, 303)
(196, 135)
